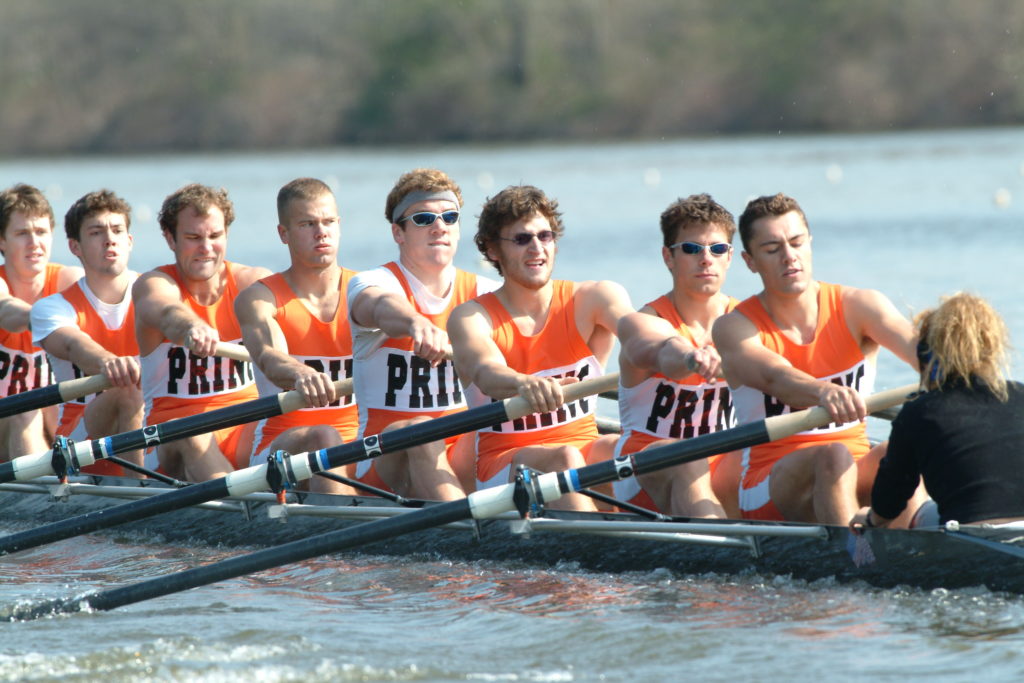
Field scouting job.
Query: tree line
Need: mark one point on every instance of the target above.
(116, 76)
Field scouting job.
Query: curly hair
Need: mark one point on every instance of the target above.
(198, 197)
(695, 210)
(969, 343)
(93, 203)
(26, 199)
(512, 204)
(419, 180)
(770, 205)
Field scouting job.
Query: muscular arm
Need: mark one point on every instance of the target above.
(74, 345)
(161, 314)
(255, 309)
(871, 314)
(650, 344)
(746, 362)
(376, 307)
(14, 313)
(479, 361)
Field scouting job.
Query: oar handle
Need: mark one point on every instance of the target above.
(517, 406)
(233, 351)
(292, 400)
(83, 386)
(782, 426)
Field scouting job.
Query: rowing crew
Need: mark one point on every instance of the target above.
(421, 338)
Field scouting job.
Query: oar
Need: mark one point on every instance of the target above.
(300, 467)
(522, 495)
(71, 389)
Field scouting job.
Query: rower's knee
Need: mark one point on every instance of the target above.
(832, 462)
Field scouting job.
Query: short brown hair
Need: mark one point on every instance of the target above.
(93, 203)
(198, 197)
(770, 205)
(695, 210)
(419, 180)
(300, 189)
(26, 199)
(512, 204)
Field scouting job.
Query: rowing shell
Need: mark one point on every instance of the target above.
(599, 541)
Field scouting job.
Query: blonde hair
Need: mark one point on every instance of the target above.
(968, 341)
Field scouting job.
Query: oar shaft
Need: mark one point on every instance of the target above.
(253, 479)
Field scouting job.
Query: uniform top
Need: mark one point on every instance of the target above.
(674, 408)
(557, 350)
(833, 355)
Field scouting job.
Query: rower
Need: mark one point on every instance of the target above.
(798, 343)
(669, 371)
(295, 325)
(964, 435)
(182, 310)
(401, 372)
(530, 337)
(89, 328)
(26, 236)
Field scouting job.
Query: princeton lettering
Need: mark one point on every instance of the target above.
(411, 383)
(190, 375)
(689, 413)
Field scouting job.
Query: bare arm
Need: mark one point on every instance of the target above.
(161, 314)
(378, 308)
(746, 362)
(255, 309)
(14, 313)
(479, 361)
(873, 315)
(651, 344)
(74, 345)
(68, 276)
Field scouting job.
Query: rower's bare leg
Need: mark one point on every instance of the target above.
(599, 450)
(197, 458)
(305, 439)
(421, 471)
(114, 411)
(867, 469)
(554, 459)
(682, 490)
(725, 482)
(23, 434)
(462, 458)
(816, 484)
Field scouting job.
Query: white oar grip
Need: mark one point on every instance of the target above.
(517, 406)
(292, 400)
(782, 426)
(232, 351)
(83, 386)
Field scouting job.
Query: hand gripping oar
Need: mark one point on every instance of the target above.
(526, 492)
(71, 389)
(295, 468)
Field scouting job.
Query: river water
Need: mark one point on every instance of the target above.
(915, 215)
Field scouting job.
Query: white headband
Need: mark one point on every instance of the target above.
(422, 196)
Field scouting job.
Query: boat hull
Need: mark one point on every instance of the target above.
(601, 542)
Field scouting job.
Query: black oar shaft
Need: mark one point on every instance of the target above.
(296, 551)
(115, 515)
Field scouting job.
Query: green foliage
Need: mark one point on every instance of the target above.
(123, 75)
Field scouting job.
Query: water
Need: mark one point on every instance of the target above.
(913, 215)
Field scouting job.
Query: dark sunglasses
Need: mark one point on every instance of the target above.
(718, 248)
(425, 219)
(521, 239)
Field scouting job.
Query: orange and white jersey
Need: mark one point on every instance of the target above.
(112, 326)
(23, 365)
(660, 407)
(557, 350)
(324, 346)
(176, 383)
(391, 382)
(833, 356)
